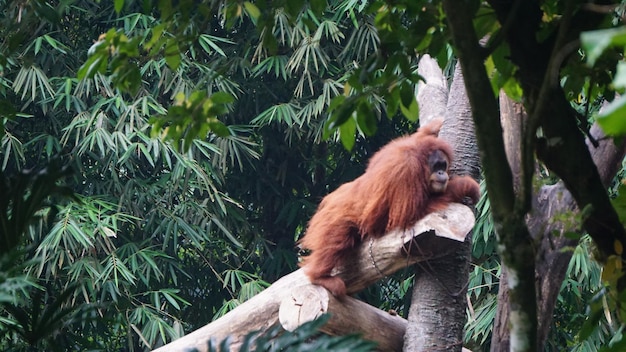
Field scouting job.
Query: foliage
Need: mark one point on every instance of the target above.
(33, 316)
(484, 278)
(189, 118)
(149, 213)
(24, 196)
(582, 285)
(601, 46)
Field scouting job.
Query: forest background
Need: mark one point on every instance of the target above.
(159, 160)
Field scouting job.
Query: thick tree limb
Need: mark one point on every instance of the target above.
(380, 257)
(432, 237)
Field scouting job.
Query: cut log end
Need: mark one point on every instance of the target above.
(304, 304)
(348, 316)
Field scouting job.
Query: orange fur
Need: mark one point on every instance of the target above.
(393, 193)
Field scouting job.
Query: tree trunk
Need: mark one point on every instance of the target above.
(438, 302)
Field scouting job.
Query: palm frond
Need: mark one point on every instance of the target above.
(33, 81)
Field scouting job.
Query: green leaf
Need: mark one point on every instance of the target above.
(612, 120)
(271, 44)
(222, 98)
(620, 76)
(157, 32)
(501, 58)
(393, 102)
(293, 7)
(366, 119)
(347, 134)
(93, 65)
(412, 112)
(172, 54)
(407, 94)
(127, 77)
(38, 42)
(218, 127)
(209, 43)
(252, 10)
(425, 42)
(342, 109)
(513, 90)
(232, 12)
(119, 4)
(594, 43)
(318, 6)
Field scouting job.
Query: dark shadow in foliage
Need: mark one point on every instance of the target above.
(23, 195)
(32, 315)
(43, 322)
(305, 338)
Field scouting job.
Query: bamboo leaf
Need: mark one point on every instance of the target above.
(119, 5)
